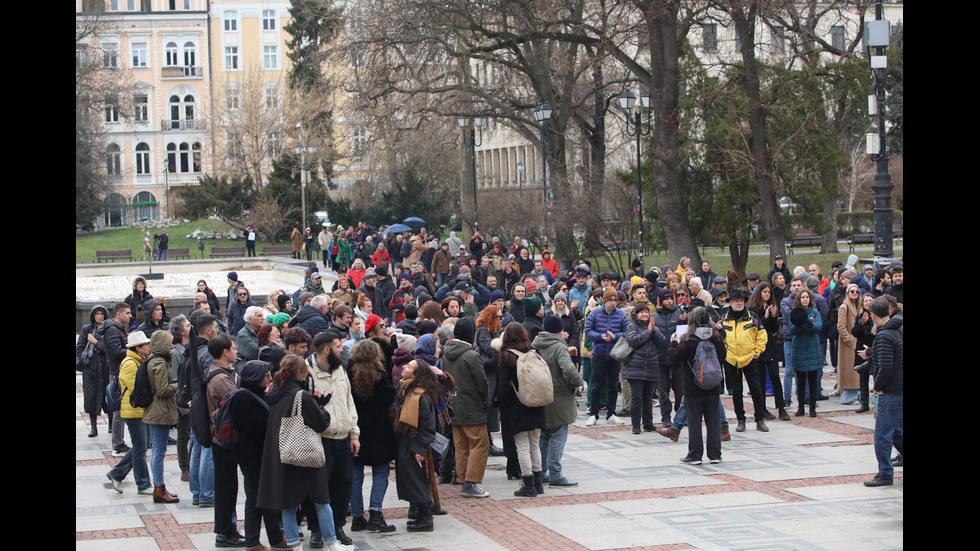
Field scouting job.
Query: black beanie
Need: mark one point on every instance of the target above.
(464, 330)
(553, 324)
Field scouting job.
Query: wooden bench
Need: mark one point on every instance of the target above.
(227, 251)
(860, 239)
(114, 254)
(184, 252)
(807, 239)
(276, 250)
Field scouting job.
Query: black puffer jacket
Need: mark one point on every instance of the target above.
(647, 346)
(888, 358)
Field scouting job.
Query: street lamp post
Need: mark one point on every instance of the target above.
(542, 114)
(301, 149)
(627, 100)
(478, 122)
(520, 171)
(166, 184)
(878, 37)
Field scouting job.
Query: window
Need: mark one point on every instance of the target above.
(81, 55)
(232, 96)
(141, 108)
(184, 158)
(114, 5)
(190, 54)
(271, 95)
(110, 56)
(115, 210)
(93, 6)
(196, 157)
(110, 108)
(181, 112)
(144, 206)
(142, 158)
(709, 37)
(837, 37)
(171, 58)
(358, 143)
(113, 160)
(268, 20)
(231, 58)
(777, 42)
(139, 55)
(270, 57)
(231, 21)
(130, 5)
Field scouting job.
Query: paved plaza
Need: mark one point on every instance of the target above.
(798, 486)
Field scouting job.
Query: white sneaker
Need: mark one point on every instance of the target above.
(591, 422)
(337, 546)
(613, 420)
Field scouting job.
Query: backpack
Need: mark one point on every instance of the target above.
(225, 431)
(406, 249)
(534, 379)
(184, 389)
(142, 393)
(706, 366)
(113, 395)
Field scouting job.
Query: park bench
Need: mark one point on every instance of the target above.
(114, 254)
(804, 239)
(860, 239)
(227, 251)
(184, 252)
(276, 250)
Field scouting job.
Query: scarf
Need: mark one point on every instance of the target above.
(407, 416)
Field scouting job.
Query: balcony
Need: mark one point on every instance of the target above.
(187, 124)
(181, 73)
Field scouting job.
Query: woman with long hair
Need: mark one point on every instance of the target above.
(373, 395)
(807, 354)
(848, 380)
(202, 287)
(283, 486)
(863, 331)
(376, 329)
(524, 422)
(763, 302)
(415, 429)
(488, 327)
(702, 404)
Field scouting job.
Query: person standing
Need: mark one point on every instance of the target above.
(249, 235)
(888, 369)
(137, 349)
(524, 422)
(746, 339)
(161, 414)
(805, 325)
(415, 429)
(95, 373)
(163, 245)
(296, 239)
(643, 369)
(560, 413)
(604, 326)
(113, 344)
(220, 381)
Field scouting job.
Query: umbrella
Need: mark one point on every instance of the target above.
(414, 221)
(397, 228)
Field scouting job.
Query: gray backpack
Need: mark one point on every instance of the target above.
(535, 388)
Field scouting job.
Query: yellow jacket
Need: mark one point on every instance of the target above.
(127, 382)
(745, 338)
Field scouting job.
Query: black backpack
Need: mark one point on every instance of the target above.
(225, 432)
(406, 249)
(141, 395)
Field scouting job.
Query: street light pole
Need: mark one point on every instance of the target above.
(166, 184)
(472, 143)
(626, 101)
(302, 149)
(542, 114)
(879, 38)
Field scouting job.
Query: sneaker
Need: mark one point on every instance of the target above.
(472, 490)
(636, 430)
(898, 461)
(878, 481)
(690, 460)
(146, 491)
(337, 546)
(714, 461)
(613, 420)
(768, 416)
(116, 484)
(562, 482)
(592, 421)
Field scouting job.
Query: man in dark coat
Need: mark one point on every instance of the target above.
(888, 369)
(112, 344)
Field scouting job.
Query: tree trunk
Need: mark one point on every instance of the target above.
(771, 216)
(828, 241)
(664, 84)
(738, 250)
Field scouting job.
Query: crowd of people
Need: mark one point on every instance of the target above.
(423, 348)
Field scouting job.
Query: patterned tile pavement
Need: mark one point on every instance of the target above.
(795, 487)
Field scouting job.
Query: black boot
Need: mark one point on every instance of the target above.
(538, 482)
(527, 487)
(413, 511)
(94, 431)
(800, 412)
(424, 521)
(377, 523)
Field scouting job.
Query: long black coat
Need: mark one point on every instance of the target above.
(286, 486)
(377, 432)
(410, 479)
(95, 373)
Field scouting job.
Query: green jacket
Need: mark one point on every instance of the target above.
(564, 377)
(465, 366)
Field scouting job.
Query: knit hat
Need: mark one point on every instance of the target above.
(652, 276)
(423, 297)
(531, 286)
(609, 294)
(553, 324)
(532, 305)
(303, 297)
(278, 319)
(497, 294)
(426, 327)
(380, 271)
(281, 301)
(405, 276)
(233, 276)
(372, 321)
(405, 342)
(635, 280)
(464, 330)
(849, 274)
(560, 295)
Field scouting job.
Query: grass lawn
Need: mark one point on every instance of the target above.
(132, 238)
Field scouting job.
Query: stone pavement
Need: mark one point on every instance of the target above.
(798, 486)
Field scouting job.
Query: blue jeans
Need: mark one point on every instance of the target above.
(201, 474)
(552, 444)
(680, 418)
(379, 485)
(161, 253)
(888, 432)
(158, 435)
(324, 515)
(790, 372)
(135, 459)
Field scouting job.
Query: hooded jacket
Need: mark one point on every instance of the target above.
(343, 412)
(137, 298)
(163, 409)
(565, 378)
(647, 346)
(148, 327)
(465, 366)
(745, 337)
(549, 264)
